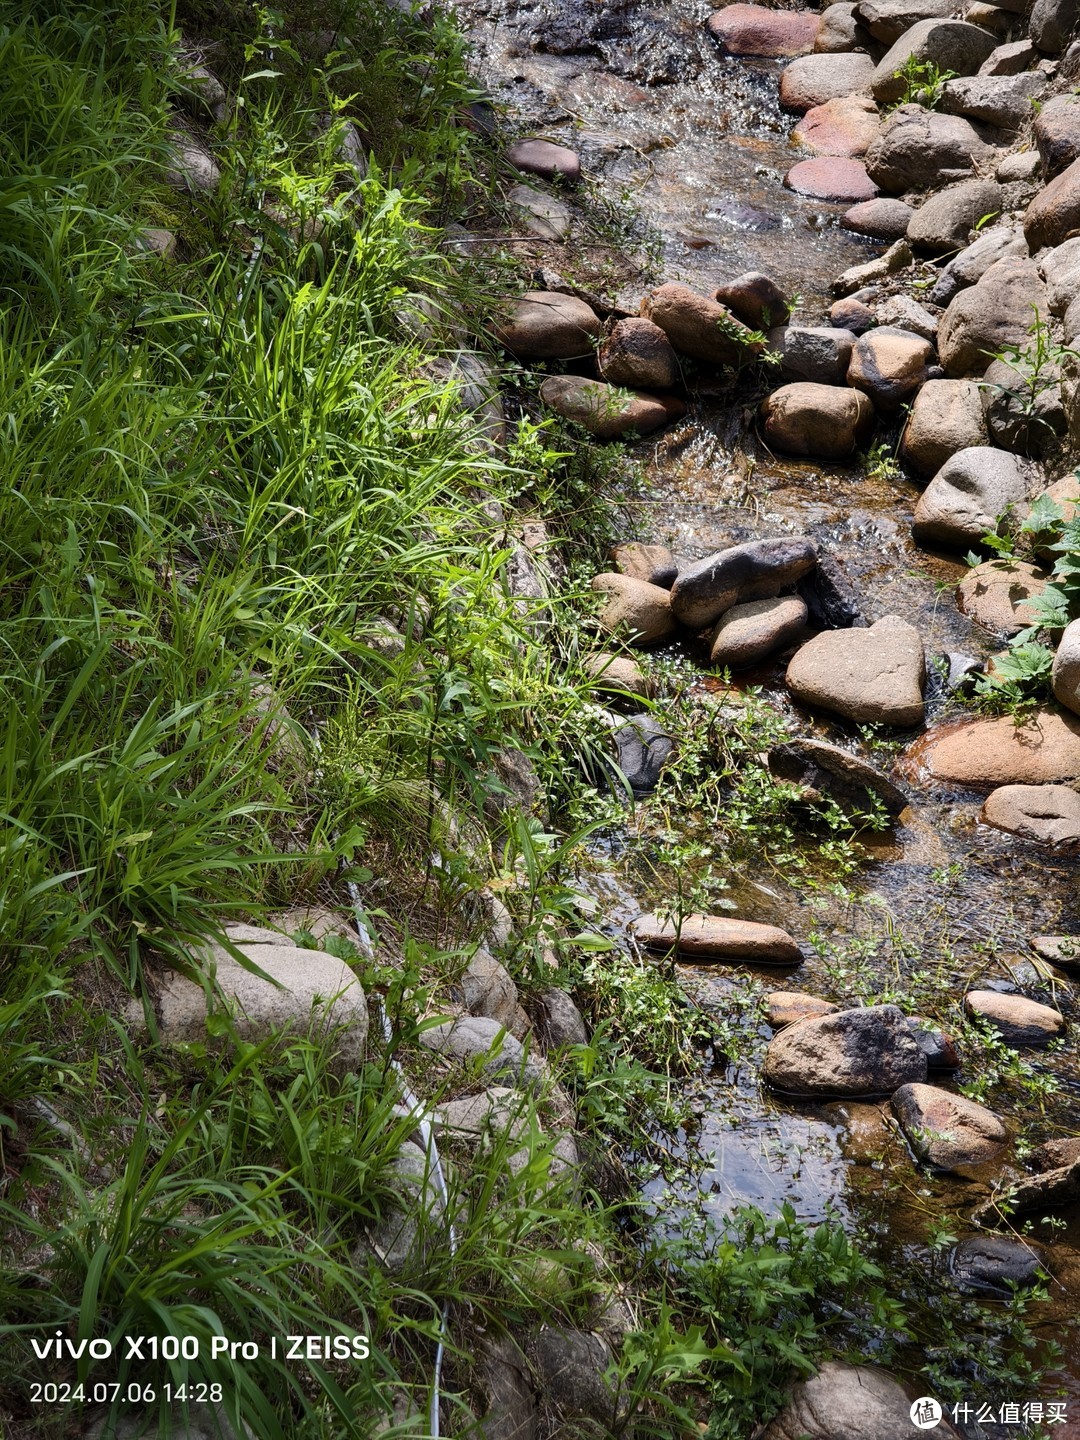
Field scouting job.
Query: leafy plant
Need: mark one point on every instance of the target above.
(923, 82)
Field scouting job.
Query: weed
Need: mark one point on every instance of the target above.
(923, 82)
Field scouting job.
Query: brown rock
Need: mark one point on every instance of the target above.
(1053, 1154)
(1054, 215)
(1057, 133)
(994, 314)
(1044, 750)
(820, 420)
(636, 353)
(748, 633)
(968, 495)
(946, 417)
(889, 365)
(873, 676)
(606, 411)
(617, 673)
(1048, 814)
(869, 1051)
(879, 219)
(764, 33)
(545, 325)
(847, 1402)
(848, 126)
(943, 223)
(1039, 1192)
(831, 178)
(851, 314)
(997, 594)
(949, 1131)
(1018, 1020)
(710, 937)
(635, 608)
(699, 327)
(825, 771)
(920, 148)
(654, 563)
(785, 1007)
(541, 157)
(755, 299)
(816, 79)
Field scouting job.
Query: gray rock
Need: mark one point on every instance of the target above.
(1022, 167)
(1060, 268)
(948, 1131)
(644, 748)
(1001, 100)
(961, 672)
(489, 989)
(889, 366)
(995, 314)
(881, 219)
(1066, 672)
(848, 1053)
(1051, 24)
(203, 1422)
(545, 216)
(1023, 406)
(847, 1402)
(920, 148)
(945, 221)
(413, 1222)
(1047, 814)
(478, 1041)
(949, 44)
(840, 30)
(826, 771)
(813, 80)
(546, 159)
(947, 416)
(191, 168)
(495, 1111)
(818, 354)
(967, 268)
(202, 93)
(888, 20)
(988, 1263)
(560, 1021)
(504, 1381)
(901, 312)
(572, 1368)
(852, 314)
(756, 570)
(155, 241)
(898, 257)
(1057, 133)
(1011, 59)
(872, 676)
(969, 494)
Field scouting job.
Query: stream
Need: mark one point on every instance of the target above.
(696, 143)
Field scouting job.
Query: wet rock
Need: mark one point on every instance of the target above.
(1011, 59)
(697, 326)
(544, 325)
(820, 420)
(1018, 1020)
(1054, 1154)
(755, 299)
(635, 608)
(1043, 750)
(961, 672)
(654, 563)
(944, 222)
(994, 314)
(901, 312)
(1001, 100)
(559, 1021)
(888, 20)
(831, 599)
(879, 219)
(713, 937)
(1054, 215)
(754, 30)
(998, 593)
(190, 168)
(846, 1402)
(644, 747)
(898, 257)
(1039, 1192)
(828, 772)
(549, 161)
(308, 992)
(870, 1051)
(572, 1367)
(1056, 132)
(785, 1007)
(1066, 672)
(1051, 24)
(815, 79)
(544, 216)
(851, 314)
(748, 633)
(489, 989)
(936, 1045)
(949, 44)
(818, 354)
(872, 676)
(968, 495)
(990, 1263)
(636, 353)
(967, 268)
(949, 1131)
(757, 570)
(889, 366)
(617, 673)
(922, 148)
(1023, 405)
(1048, 814)
(832, 178)
(606, 411)
(474, 1039)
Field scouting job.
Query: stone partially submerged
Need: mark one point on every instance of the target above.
(714, 937)
(870, 1051)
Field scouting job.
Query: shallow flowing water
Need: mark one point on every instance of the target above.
(701, 155)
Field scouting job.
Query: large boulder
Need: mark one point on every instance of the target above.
(848, 126)
(606, 411)
(949, 1131)
(546, 325)
(757, 570)
(999, 243)
(634, 608)
(816, 79)
(946, 417)
(817, 354)
(1044, 749)
(871, 676)
(1057, 133)
(749, 633)
(944, 222)
(995, 314)
(1001, 100)
(949, 44)
(714, 937)
(1054, 215)
(754, 30)
(819, 420)
(699, 327)
(1051, 24)
(998, 595)
(889, 366)
(848, 1053)
(636, 353)
(969, 494)
(1047, 814)
(826, 772)
(920, 148)
(847, 1402)
(1066, 672)
(1018, 1020)
(834, 178)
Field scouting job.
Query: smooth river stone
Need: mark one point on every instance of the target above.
(1018, 1020)
(756, 570)
(1043, 750)
(712, 937)
(947, 1130)
(869, 1051)
(846, 127)
(748, 633)
(756, 30)
(831, 177)
(543, 158)
(785, 1007)
(872, 676)
(635, 608)
(1047, 814)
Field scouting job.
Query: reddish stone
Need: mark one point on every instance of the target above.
(831, 177)
(848, 126)
(771, 34)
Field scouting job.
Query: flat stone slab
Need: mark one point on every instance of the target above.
(785, 1007)
(841, 179)
(1061, 950)
(713, 937)
(828, 772)
(1044, 750)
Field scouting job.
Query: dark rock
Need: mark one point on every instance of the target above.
(870, 1051)
(851, 314)
(573, 1366)
(560, 1021)
(819, 354)
(936, 1045)
(756, 570)
(755, 299)
(826, 771)
(831, 599)
(644, 748)
(988, 1263)
(1051, 24)
(636, 353)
